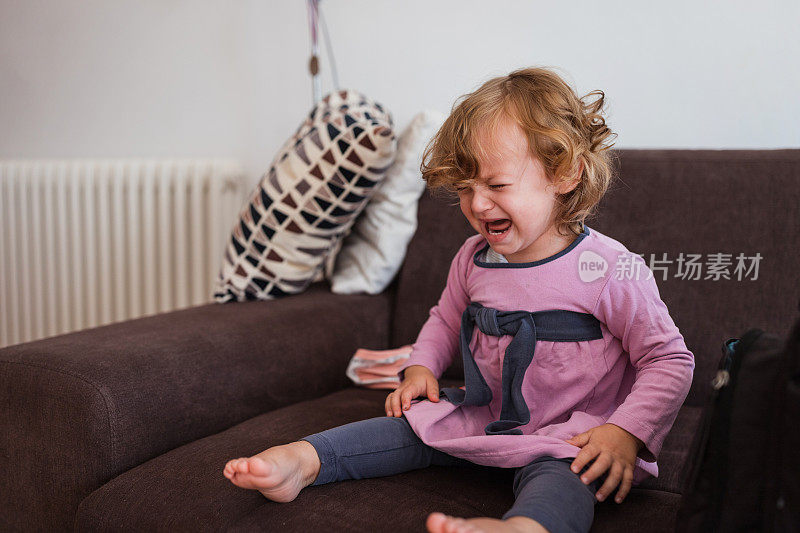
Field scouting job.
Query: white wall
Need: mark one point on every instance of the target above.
(127, 78)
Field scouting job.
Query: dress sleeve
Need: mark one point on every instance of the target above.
(633, 312)
(438, 340)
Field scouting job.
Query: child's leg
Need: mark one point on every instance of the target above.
(547, 491)
(550, 498)
(375, 447)
(368, 448)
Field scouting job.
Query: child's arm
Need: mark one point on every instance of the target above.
(438, 340)
(633, 311)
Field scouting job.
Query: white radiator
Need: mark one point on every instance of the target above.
(89, 242)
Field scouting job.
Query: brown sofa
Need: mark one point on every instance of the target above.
(128, 426)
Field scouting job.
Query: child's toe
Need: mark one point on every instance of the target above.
(450, 525)
(258, 467)
(435, 522)
(458, 525)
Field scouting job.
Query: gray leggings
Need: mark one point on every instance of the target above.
(545, 490)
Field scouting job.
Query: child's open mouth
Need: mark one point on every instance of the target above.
(498, 228)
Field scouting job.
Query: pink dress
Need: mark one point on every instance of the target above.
(636, 376)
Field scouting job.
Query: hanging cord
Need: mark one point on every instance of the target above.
(313, 64)
(314, 15)
(331, 59)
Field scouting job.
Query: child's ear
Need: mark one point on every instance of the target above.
(568, 184)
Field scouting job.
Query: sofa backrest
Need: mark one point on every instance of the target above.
(669, 202)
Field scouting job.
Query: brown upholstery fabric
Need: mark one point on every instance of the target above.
(666, 201)
(184, 489)
(79, 409)
(709, 202)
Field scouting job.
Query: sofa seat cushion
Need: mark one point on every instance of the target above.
(184, 489)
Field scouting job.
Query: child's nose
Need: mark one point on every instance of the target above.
(480, 201)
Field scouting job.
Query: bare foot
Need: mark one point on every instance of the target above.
(442, 523)
(279, 473)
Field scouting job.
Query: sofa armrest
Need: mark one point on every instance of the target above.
(81, 408)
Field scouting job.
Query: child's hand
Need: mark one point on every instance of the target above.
(418, 381)
(613, 448)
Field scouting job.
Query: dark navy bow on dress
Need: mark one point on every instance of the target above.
(527, 328)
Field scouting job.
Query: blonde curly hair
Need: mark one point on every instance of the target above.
(564, 132)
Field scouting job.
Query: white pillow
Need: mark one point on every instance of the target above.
(373, 252)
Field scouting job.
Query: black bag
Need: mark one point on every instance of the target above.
(743, 472)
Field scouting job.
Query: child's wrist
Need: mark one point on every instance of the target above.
(416, 369)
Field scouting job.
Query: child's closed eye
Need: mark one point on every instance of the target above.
(499, 186)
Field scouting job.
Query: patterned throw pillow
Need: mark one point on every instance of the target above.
(292, 226)
(374, 251)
